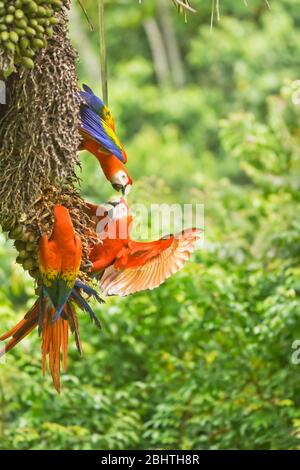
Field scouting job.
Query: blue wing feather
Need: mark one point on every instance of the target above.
(93, 102)
(85, 306)
(87, 89)
(91, 124)
(88, 290)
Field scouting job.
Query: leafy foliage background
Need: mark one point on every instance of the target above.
(204, 362)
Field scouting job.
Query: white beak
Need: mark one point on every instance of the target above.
(127, 189)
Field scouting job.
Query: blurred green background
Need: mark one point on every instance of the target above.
(203, 362)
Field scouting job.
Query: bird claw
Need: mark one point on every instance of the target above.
(88, 266)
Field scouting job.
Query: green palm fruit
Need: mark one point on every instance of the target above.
(22, 254)
(40, 29)
(20, 32)
(21, 23)
(30, 246)
(57, 4)
(37, 43)
(32, 7)
(53, 21)
(27, 62)
(24, 43)
(25, 26)
(4, 36)
(32, 238)
(41, 11)
(20, 245)
(16, 232)
(19, 14)
(14, 37)
(10, 46)
(9, 19)
(30, 32)
(49, 12)
(33, 22)
(49, 32)
(29, 53)
(29, 264)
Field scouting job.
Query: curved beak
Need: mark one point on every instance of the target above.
(126, 190)
(118, 187)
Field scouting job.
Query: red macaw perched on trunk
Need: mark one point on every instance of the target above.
(126, 266)
(54, 312)
(99, 138)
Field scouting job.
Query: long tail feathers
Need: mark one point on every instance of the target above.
(73, 322)
(53, 328)
(55, 338)
(22, 329)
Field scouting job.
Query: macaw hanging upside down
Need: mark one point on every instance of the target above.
(99, 138)
(125, 266)
(54, 311)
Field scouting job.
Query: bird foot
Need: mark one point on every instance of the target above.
(88, 266)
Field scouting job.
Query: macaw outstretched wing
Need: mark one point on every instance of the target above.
(143, 268)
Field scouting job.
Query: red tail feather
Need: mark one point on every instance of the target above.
(54, 342)
(22, 329)
(55, 336)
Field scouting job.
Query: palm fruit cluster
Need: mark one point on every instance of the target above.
(38, 157)
(25, 243)
(25, 27)
(26, 232)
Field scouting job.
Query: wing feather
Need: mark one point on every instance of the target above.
(95, 127)
(154, 272)
(48, 260)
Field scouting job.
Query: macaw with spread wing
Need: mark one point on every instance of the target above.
(54, 311)
(125, 266)
(99, 138)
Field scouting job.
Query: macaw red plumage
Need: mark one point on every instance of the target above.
(99, 138)
(59, 262)
(126, 266)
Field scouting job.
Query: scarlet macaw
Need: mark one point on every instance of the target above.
(126, 266)
(99, 138)
(54, 312)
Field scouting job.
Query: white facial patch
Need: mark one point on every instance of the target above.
(120, 178)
